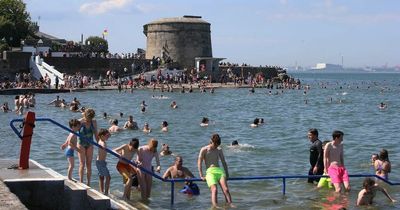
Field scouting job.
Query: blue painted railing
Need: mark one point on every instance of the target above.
(172, 181)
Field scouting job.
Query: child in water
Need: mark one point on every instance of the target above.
(366, 195)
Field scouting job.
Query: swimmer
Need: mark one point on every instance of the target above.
(204, 122)
(146, 128)
(143, 104)
(32, 100)
(212, 90)
(63, 104)
(382, 165)
(164, 126)
(261, 121)
(382, 105)
(121, 115)
(235, 143)
(173, 105)
(74, 107)
(5, 108)
(56, 102)
(252, 90)
(105, 115)
(75, 101)
(374, 157)
(165, 150)
(366, 195)
(114, 126)
(255, 123)
(131, 124)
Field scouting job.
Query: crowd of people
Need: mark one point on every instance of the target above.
(326, 158)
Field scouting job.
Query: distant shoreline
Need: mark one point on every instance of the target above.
(20, 91)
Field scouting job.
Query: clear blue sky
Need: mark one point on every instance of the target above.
(257, 32)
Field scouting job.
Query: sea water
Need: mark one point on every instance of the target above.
(347, 102)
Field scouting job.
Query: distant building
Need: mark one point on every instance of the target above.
(327, 66)
(183, 40)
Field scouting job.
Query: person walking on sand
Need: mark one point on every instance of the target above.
(210, 155)
(334, 162)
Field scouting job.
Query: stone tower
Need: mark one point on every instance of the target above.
(179, 39)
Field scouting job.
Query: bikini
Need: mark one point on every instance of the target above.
(380, 170)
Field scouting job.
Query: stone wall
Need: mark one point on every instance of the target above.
(269, 72)
(183, 41)
(96, 66)
(18, 62)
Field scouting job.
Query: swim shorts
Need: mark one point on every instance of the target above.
(338, 174)
(125, 170)
(213, 175)
(102, 168)
(325, 182)
(69, 152)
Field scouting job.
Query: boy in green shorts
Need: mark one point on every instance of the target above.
(211, 154)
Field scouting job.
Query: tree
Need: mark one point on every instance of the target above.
(96, 44)
(14, 21)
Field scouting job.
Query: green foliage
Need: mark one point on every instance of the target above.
(96, 44)
(14, 21)
(3, 45)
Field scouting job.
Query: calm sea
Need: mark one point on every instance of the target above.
(279, 147)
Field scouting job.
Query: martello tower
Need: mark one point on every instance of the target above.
(180, 39)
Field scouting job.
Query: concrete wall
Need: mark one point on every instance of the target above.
(18, 62)
(40, 194)
(8, 200)
(96, 66)
(185, 41)
(269, 72)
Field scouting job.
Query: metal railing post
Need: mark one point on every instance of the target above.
(284, 185)
(172, 192)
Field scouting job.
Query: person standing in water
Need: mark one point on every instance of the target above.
(211, 155)
(334, 162)
(87, 131)
(316, 155)
(144, 158)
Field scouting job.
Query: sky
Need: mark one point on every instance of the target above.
(256, 32)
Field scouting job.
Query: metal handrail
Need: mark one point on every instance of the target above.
(172, 181)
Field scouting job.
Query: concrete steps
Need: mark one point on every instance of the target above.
(42, 188)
